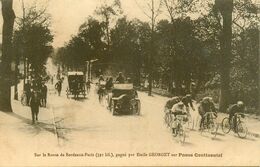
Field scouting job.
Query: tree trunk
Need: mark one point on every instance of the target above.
(226, 8)
(5, 66)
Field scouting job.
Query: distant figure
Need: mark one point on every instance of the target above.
(58, 86)
(88, 84)
(101, 78)
(109, 84)
(193, 90)
(44, 90)
(182, 90)
(120, 78)
(173, 88)
(52, 80)
(27, 91)
(34, 104)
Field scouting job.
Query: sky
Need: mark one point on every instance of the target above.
(68, 15)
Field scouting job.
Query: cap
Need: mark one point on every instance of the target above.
(240, 103)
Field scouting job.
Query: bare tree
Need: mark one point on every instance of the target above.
(152, 11)
(180, 8)
(107, 12)
(5, 64)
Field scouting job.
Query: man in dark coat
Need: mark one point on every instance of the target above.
(120, 79)
(44, 90)
(34, 104)
(58, 86)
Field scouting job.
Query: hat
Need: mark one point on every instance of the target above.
(240, 103)
(181, 104)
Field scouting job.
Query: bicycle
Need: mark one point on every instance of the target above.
(240, 129)
(179, 130)
(209, 124)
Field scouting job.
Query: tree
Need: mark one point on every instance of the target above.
(107, 12)
(33, 40)
(180, 9)
(226, 8)
(152, 12)
(130, 40)
(85, 46)
(5, 64)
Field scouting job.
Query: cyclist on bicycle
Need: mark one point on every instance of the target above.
(206, 105)
(178, 109)
(233, 110)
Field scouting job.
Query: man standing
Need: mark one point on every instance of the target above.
(44, 90)
(34, 104)
(58, 86)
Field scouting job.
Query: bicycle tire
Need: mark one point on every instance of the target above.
(242, 130)
(182, 136)
(167, 120)
(225, 126)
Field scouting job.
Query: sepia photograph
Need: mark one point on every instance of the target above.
(129, 83)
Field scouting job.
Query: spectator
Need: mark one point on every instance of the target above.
(34, 104)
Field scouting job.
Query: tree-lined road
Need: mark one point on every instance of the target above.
(87, 126)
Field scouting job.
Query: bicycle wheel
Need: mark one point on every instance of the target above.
(167, 119)
(225, 125)
(242, 130)
(182, 135)
(213, 129)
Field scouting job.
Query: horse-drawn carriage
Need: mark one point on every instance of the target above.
(76, 84)
(124, 100)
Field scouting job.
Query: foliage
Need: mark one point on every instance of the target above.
(33, 38)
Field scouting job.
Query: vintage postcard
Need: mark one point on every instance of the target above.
(129, 83)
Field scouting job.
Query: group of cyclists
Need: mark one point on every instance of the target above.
(206, 109)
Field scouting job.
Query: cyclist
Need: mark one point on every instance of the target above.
(187, 101)
(169, 104)
(206, 105)
(88, 85)
(233, 109)
(178, 109)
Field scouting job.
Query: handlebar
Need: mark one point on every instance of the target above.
(240, 114)
(210, 114)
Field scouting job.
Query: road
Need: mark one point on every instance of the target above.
(87, 127)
